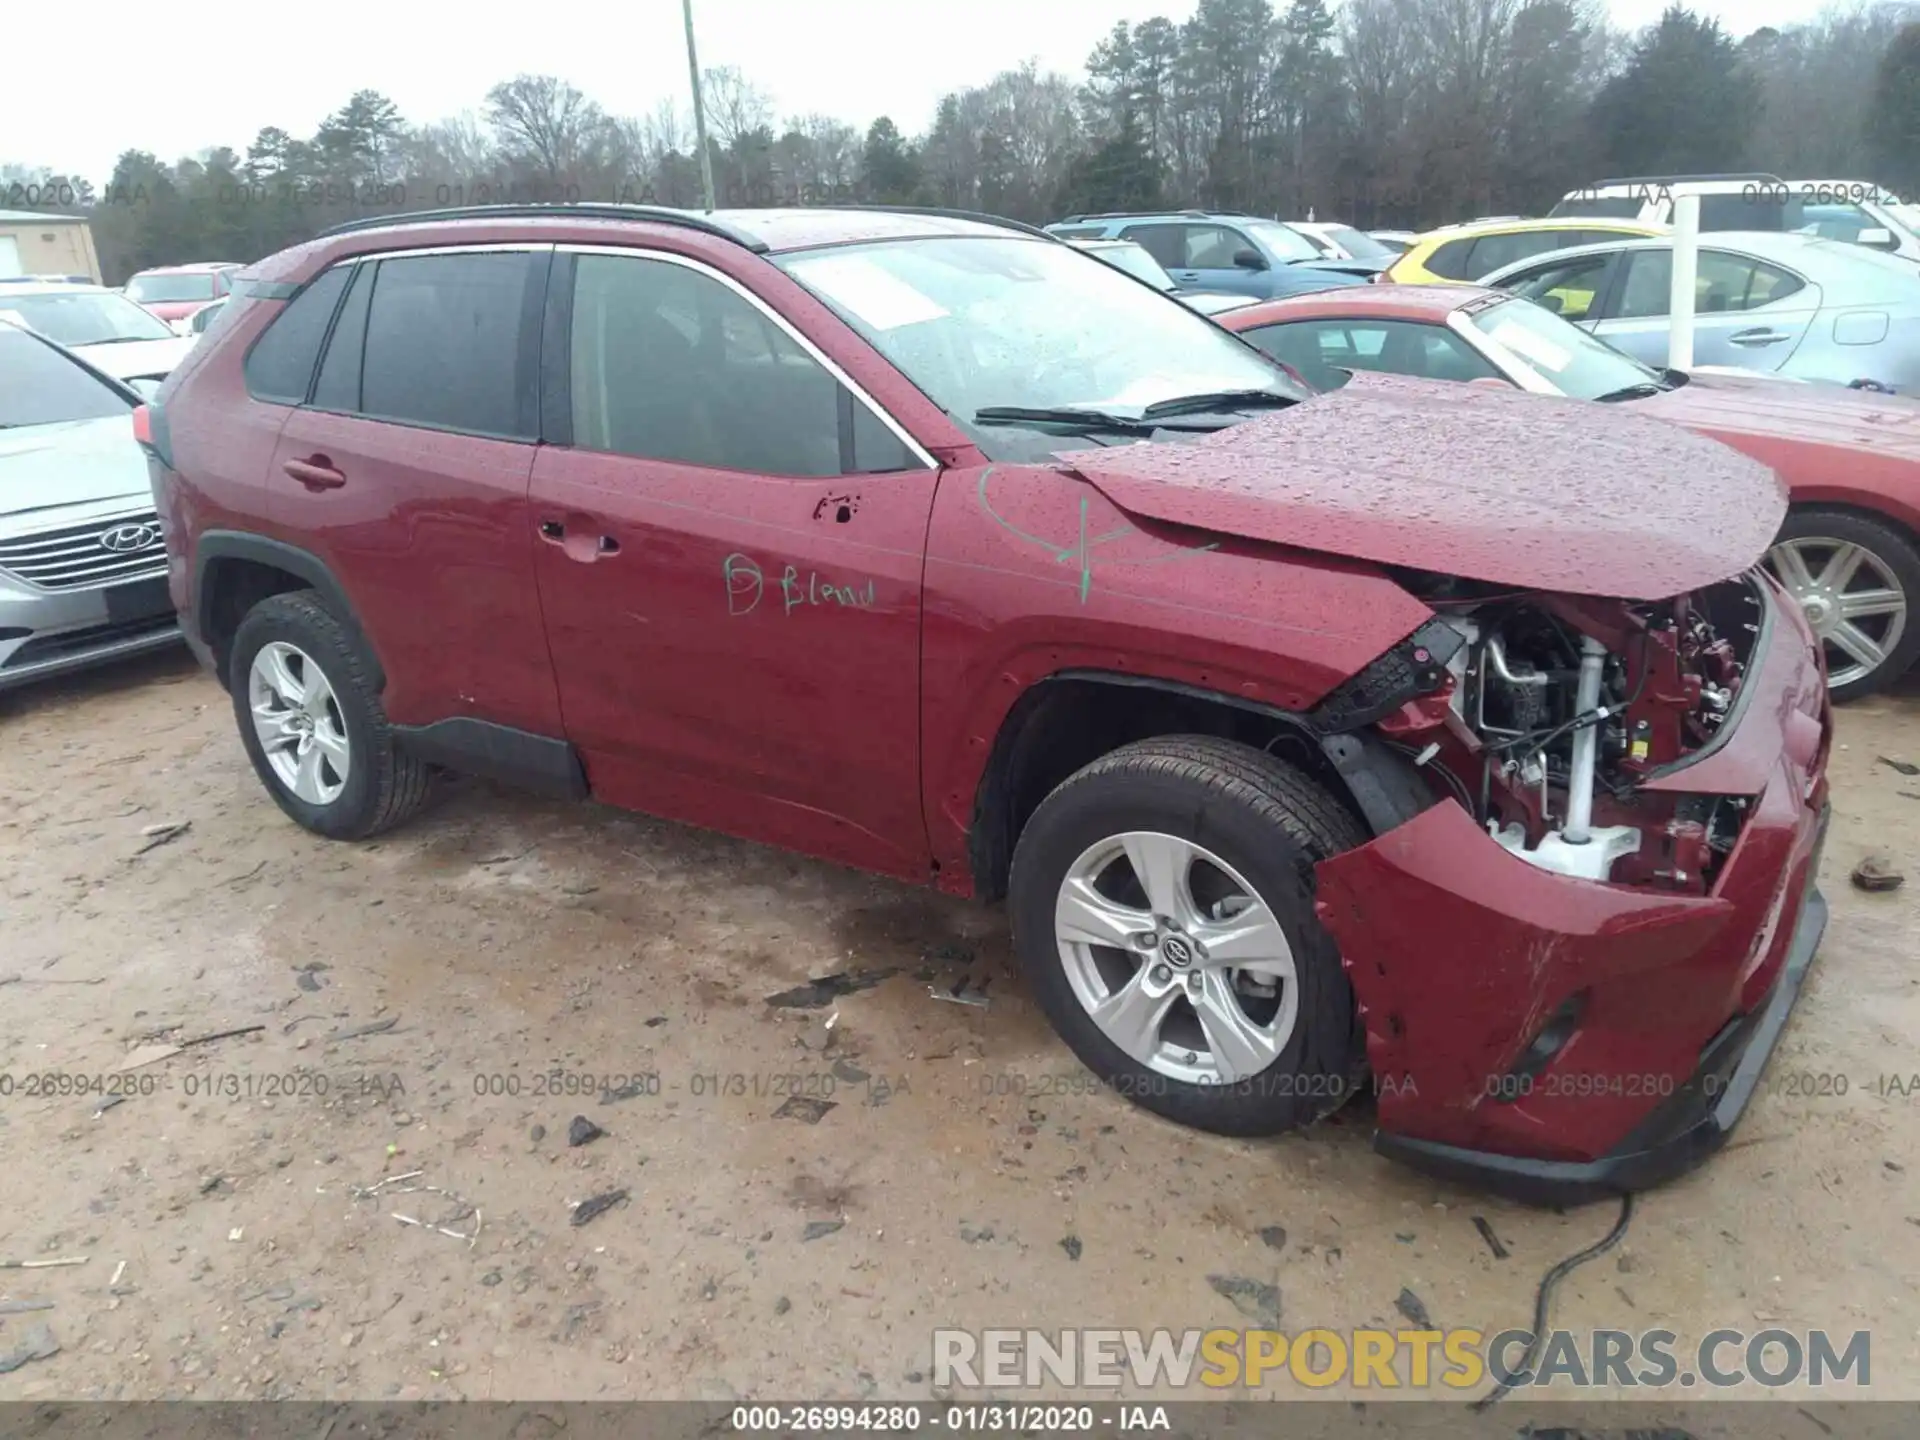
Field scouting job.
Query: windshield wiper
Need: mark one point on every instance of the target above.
(1060, 415)
(1634, 392)
(1219, 400)
(123, 340)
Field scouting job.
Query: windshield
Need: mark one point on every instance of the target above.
(40, 386)
(1567, 357)
(165, 289)
(84, 317)
(1359, 245)
(984, 323)
(1285, 241)
(1136, 262)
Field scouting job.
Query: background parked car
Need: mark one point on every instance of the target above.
(1202, 251)
(202, 319)
(1790, 305)
(1856, 211)
(1850, 547)
(1128, 256)
(174, 292)
(1343, 242)
(106, 330)
(83, 570)
(1396, 241)
(1467, 252)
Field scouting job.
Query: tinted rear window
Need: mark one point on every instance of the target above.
(444, 343)
(1597, 207)
(1449, 261)
(1749, 212)
(280, 365)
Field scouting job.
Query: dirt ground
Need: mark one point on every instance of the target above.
(518, 952)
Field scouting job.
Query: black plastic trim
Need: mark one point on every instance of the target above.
(1383, 782)
(556, 352)
(241, 545)
(1680, 1133)
(1414, 667)
(539, 763)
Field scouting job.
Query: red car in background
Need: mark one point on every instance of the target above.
(1443, 733)
(1849, 549)
(174, 292)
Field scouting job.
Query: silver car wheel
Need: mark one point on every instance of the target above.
(1852, 599)
(298, 720)
(1176, 958)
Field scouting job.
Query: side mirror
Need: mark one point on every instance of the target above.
(1879, 237)
(1249, 260)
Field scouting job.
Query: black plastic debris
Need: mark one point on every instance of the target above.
(1486, 1234)
(583, 1132)
(1274, 1237)
(597, 1206)
(819, 993)
(1254, 1299)
(1072, 1246)
(1414, 1308)
(818, 1228)
(804, 1108)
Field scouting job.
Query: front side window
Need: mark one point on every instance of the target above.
(1165, 243)
(1212, 247)
(988, 322)
(41, 386)
(84, 317)
(170, 289)
(670, 364)
(1285, 241)
(443, 343)
(1570, 289)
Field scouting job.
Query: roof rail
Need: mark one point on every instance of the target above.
(980, 217)
(1133, 214)
(658, 214)
(1752, 175)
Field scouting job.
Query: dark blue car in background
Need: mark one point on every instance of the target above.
(1217, 250)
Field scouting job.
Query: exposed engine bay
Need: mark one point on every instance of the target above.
(1545, 714)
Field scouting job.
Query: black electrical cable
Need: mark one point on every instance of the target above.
(1543, 1299)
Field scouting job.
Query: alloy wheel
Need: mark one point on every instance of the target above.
(297, 719)
(1852, 598)
(1176, 958)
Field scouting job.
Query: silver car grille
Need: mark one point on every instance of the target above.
(100, 552)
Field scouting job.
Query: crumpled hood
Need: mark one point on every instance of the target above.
(1478, 482)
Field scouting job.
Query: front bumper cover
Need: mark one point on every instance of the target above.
(1680, 1134)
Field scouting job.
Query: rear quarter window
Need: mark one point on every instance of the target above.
(280, 365)
(1449, 261)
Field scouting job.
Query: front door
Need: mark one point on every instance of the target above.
(1747, 314)
(729, 545)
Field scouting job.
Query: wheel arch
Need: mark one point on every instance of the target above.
(235, 570)
(1073, 717)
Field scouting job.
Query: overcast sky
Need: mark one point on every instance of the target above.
(179, 81)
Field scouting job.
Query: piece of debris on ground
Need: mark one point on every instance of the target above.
(597, 1205)
(1877, 873)
(1255, 1299)
(822, 992)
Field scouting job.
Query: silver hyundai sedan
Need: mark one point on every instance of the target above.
(83, 570)
(1791, 305)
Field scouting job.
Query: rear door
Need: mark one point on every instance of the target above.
(730, 541)
(406, 471)
(1747, 313)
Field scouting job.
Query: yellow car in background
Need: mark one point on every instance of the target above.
(1462, 254)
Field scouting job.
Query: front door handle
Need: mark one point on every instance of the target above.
(316, 472)
(578, 542)
(1757, 337)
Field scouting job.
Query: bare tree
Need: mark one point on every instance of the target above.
(543, 119)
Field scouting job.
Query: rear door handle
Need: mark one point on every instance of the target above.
(316, 473)
(1757, 337)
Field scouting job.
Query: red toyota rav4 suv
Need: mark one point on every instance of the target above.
(1448, 735)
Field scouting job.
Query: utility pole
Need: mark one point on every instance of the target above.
(699, 109)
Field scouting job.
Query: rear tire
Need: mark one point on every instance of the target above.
(313, 725)
(1835, 562)
(1154, 1003)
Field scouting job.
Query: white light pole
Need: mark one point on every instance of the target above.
(699, 109)
(1686, 266)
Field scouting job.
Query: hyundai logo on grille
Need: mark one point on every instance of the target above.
(122, 538)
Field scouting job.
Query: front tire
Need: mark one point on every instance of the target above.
(1858, 581)
(1162, 905)
(313, 725)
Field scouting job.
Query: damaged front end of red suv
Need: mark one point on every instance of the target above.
(1596, 778)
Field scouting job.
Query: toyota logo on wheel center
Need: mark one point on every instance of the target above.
(136, 536)
(1176, 952)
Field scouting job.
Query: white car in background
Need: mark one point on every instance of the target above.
(1343, 242)
(107, 330)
